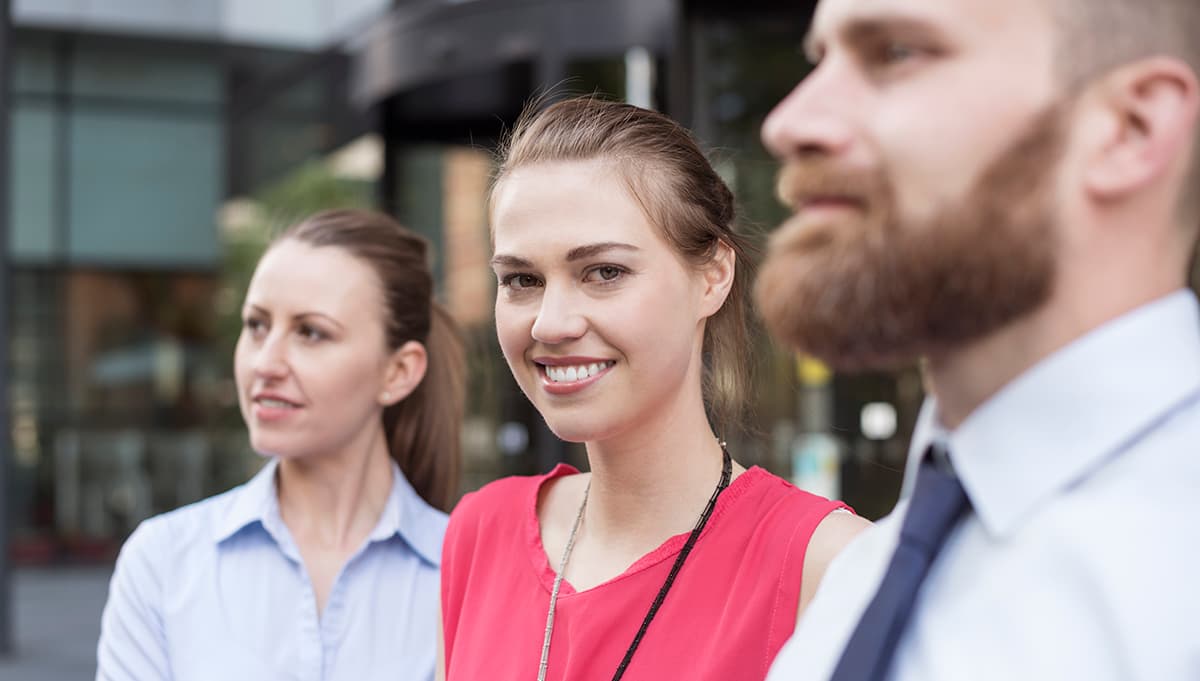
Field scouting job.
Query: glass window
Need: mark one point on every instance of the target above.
(144, 188)
(33, 187)
(276, 145)
(121, 406)
(419, 195)
(294, 124)
(34, 65)
(106, 69)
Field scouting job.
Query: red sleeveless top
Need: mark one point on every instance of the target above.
(732, 606)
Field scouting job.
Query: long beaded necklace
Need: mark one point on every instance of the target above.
(726, 474)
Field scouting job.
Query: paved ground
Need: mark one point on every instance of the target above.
(56, 621)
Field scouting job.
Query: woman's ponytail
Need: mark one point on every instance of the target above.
(424, 429)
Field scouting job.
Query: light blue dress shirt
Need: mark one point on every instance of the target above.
(217, 591)
(1079, 557)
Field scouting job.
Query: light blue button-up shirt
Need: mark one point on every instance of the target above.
(217, 590)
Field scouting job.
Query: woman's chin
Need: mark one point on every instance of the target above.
(579, 430)
(271, 448)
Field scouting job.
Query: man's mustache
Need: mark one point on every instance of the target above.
(803, 182)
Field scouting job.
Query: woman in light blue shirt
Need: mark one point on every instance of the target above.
(324, 566)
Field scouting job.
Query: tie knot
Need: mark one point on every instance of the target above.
(939, 453)
(937, 502)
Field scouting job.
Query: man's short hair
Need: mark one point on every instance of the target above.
(1099, 35)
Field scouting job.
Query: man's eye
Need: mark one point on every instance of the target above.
(897, 53)
(519, 281)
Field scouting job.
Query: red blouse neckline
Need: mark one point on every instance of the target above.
(540, 561)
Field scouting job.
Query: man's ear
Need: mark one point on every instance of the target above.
(718, 279)
(405, 369)
(1149, 111)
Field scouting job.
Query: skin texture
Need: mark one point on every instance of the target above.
(926, 111)
(313, 335)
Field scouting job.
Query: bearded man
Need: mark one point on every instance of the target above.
(1009, 191)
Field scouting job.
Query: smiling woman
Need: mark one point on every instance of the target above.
(350, 379)
(621, 313)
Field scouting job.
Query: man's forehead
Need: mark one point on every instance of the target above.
(965, 17)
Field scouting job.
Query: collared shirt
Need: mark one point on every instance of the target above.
(217, 590)
(1080, 558)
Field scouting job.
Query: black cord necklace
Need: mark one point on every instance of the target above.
(726, 475)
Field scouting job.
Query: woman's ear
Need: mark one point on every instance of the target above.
(405, 369)
(718, 274)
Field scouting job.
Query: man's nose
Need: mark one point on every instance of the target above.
(815, 118)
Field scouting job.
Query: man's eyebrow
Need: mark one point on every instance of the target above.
(866, 28)
(860, 31)
(502, 260)
(592, 250)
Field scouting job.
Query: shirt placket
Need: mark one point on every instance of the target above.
(312, 652)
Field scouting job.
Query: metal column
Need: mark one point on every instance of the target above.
(6, 628)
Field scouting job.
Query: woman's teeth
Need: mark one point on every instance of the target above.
(275, 404)
(558, 374)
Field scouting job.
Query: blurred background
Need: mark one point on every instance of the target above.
(152, 148)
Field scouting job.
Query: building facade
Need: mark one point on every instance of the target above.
(121, 124)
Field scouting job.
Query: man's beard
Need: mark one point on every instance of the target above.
(876, 290)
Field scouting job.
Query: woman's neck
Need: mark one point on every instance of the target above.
(654, 481)
(334, 501)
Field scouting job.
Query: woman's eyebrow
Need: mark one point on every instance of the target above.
(592, 250)
(510, 261)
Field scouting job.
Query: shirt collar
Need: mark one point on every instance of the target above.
(1068, 415)
(405, 514)
(420, 525)
(927, 431)
(253, 502)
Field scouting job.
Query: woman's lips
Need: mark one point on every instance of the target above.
(269, 409)
(565, 376)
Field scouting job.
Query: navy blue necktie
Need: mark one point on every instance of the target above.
(937, 502)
